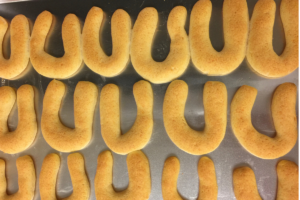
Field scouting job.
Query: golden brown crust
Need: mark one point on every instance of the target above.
(245, 187)
(208, 188)
(288, 183)
(139, 177)
(57, 135)
(142, 36)
(26, 180)
(284, 117)
(260, 53)
(93, 55)
(20, 36)
(49, 172)
(244, 184)
(50, 66)
(215, 107)
(140, 133)
(235, 23)
(169, 179)
(20, 139)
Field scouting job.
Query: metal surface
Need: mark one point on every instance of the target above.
(229, 155)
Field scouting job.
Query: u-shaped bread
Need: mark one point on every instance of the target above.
(48, 65)
(19, 57)
(57, 135)
(93, 55)
(49, 172)
(245, 188)
(284, 117)
(235, 25)
(20, 139)
(215, 111)
(26, 180)
(260, 53)
(139, 177)
(208, 187)
(142, 38)
(140, 133)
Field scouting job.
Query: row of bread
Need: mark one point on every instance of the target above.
(66, 139)
(244, 182)
(255, 44)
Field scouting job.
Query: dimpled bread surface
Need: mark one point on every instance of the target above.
(20, 139)
(215, 112)
(26, 180)
(284, 117)
(142, 38)
(140, 133)
(260, 54)
(138, 172)
(19, 57)
(50, 66)
(208, 188)
(235, 25)
(57, 135)
(49, 174)
(93, 55)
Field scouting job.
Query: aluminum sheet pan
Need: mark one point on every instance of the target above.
(228, 156)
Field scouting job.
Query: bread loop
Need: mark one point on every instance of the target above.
(139, 177)
(93, 55)
(50, 66)
(142, 37)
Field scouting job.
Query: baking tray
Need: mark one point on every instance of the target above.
(226, 157)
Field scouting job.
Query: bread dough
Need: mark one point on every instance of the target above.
(208, 188)
(260, 54)
(93, 55)
(288, 183)
(57, 135)
(235, 24)
(245, 187)
(244, 184)
(140, 133)
(284, 117)
(139, 177)
(47, 65)
(20, 139)
(49, 172)
(26, 179)
(215, 112)
(20, 36)
(142, 38)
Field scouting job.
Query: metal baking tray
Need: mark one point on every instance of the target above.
(226, 157)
